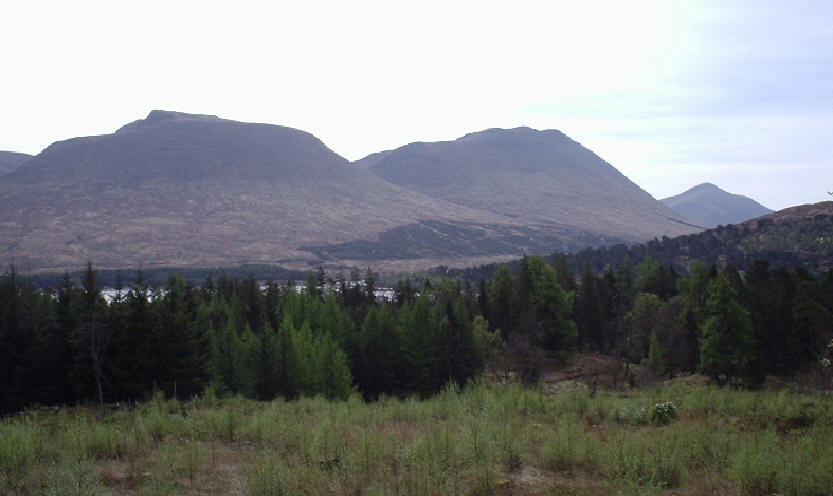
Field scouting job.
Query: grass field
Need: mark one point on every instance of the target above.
(489, 439)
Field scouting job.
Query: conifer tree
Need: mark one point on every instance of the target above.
(551, 307)
(14, 366)
(55, 351)
(503, 302)
(181, 351)
(333, 371)
(266, 364)
(288, 361)
(564, 275)
(727, 346)
(419, 330)
(91, 339)
(588, 312)
(307, 352)
(380, 346)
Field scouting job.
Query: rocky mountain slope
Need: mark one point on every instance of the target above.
(10, 161)
(189, 190)
(710, 206)
(541, 177)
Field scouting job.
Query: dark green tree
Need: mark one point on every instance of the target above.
(503, 302)
(91, 339)
(267, 364)
(289, 367)
(381, 353)
(727, 346)
(588, 311)
(563, 274)
(551, 307)
(333, 370)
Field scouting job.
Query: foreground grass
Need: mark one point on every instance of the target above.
(489, 439)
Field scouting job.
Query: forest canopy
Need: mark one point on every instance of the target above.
(265, 340)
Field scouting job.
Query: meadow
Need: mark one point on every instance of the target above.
(488, 439)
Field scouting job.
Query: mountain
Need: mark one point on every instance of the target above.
(710, 206)
(542, 178)
(198, 191)
(10, 161)
(189, 190)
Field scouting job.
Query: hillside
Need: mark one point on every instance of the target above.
(794, 237)
(542, 177)
(191, 190)
(188, 190)
(10, 161)
(710, 206)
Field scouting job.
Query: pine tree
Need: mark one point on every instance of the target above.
(419, 330)
(266, 364)
(727, 346)
(588, 312)
(16, 345)
(181, 352)
(333, 371)
(91, 339)
(306, 351)
(55, 355)
(551, 307)
(381, 353)
(288, 361)
(564, 275)
(503, 302)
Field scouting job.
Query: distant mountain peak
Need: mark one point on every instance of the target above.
(711, 206)
(158, 116)
(704, 186)
(523, 131)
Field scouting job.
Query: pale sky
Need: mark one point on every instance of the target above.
(671, 93)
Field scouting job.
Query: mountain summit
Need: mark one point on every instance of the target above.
(710, 206)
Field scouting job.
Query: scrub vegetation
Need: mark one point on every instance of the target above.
(490, 438)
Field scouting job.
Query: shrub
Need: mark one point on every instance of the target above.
(664, 412)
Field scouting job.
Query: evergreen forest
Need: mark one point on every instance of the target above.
(71, 344)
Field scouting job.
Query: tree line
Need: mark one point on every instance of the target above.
(71, 344)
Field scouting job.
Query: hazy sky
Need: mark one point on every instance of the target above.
(671, 93)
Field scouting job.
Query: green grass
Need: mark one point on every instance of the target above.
(488, 439)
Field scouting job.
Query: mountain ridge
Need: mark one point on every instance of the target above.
(11, 161)
(196, 190)
(799, 236)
